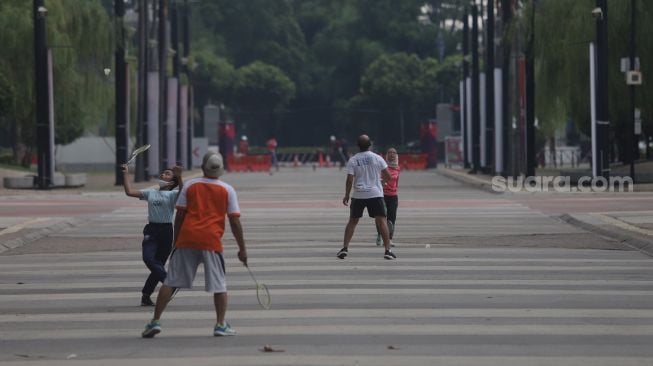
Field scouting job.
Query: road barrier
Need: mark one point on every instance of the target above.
(413, 161)
(262, 163)
(248, 163)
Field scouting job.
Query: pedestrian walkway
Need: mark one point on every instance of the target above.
(479, 280)
(436, 304)
(618, 215)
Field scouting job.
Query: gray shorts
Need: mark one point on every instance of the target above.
(183, 264)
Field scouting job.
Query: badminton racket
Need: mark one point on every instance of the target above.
(262, 293)
(136, 152)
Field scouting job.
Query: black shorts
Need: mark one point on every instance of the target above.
(375, 207)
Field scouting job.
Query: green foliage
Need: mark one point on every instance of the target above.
(16, 64)
(213, 79)
(324, 47)
(262, 86)
(294, 67)
(6, 96)
(563, 31)
(81, 48)
(393, 79)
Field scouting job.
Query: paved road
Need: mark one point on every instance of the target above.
(480, 280)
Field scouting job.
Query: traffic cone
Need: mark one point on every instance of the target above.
(320, 158)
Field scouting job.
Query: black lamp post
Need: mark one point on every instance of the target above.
(43, 132)
(120, 90)
(602, 111)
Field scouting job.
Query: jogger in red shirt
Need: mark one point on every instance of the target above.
(390, 193)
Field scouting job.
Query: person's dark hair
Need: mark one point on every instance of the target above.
(364, 142)
(175, 181)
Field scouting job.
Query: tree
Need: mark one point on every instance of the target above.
(404, 84)
(81, 48)
(563, 31)
(213, 79)
(258, 90)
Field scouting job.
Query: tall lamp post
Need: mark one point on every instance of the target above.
(637, 124)
(602, 111)
(143, 60)
(163, 81)
(530, 96)
(476, 104)
(185, 30)
(43, 132)
(489, 88)
(121, 91)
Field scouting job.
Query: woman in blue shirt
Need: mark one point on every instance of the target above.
(158, 233)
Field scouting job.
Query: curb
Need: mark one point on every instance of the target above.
(38, 234)
(467, 179)
(644, 246)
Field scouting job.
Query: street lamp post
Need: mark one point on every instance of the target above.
(463, 122)
(185, 28)
(506, 46)
(44, 134)
(633, 131)
(602, 111)
(163, 90)
(142, 171)
(489, 88)
(121, 91)
(476, 105)
(530, 96)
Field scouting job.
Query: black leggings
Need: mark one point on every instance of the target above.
(157, 243)
(391, 203)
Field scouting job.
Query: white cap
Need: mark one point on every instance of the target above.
(212, 164)
(244, 138)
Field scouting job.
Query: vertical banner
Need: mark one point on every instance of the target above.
(468, 115)
(595, 168)
(498, 121)
(461, 88)
(482, 130)
(51, 163)
(183, 124)
(521, 127)
(153, 123)
(453, 151)
(171, 132)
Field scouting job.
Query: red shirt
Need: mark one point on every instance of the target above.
(243, 146)
(391, 188)
(272, 144)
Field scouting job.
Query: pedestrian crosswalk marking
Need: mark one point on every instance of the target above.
(604, 315)
(510, 306)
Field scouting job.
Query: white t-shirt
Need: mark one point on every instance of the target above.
(366, 168)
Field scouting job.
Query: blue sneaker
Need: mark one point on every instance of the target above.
(151, 329)
(223, 330)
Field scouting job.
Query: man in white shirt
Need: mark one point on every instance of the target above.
(366, 172)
